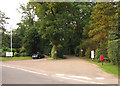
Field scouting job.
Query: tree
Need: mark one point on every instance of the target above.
(5, 36)
(3, 21)
(103, 17)
(54, 20)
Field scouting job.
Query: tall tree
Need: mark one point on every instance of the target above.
(103, 18)
(54, 19)
(3, 22)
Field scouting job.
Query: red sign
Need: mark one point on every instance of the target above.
(102, 58)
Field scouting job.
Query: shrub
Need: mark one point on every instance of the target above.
(13, 50)
(60, 51)
(3, 54)
(16, 54)
(23, 54)
(52, 52)
(22, 50)
(114, 51)
(77, 51)
(47, 50)
(99, 52)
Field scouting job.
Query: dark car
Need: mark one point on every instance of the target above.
(37, 56)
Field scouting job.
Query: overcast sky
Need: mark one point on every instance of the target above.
(9, 8)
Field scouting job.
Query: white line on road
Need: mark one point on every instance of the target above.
(60, 74)
(79, 80)
(81, 77)
(26, 70)
(100, 78)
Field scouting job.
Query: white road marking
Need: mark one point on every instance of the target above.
(79, 80)
(81, 77)
(100, 78)
(65, 77)
(60, 74)
(26, 70)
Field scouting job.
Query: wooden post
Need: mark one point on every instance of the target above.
(102, 62)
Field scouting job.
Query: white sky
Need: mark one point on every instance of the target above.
(9, 7)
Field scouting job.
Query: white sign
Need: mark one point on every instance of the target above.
(92, 54)
(9, 53)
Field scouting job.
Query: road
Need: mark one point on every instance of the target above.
(42, 71)
(13, 75)
(16, 76)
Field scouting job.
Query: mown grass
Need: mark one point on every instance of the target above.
(14, 58)
(107, 67)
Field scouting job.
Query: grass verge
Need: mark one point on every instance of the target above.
(107, 67)
(15, 58)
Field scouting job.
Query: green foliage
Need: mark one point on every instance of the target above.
(53, 54)
(47, 50)
(98, 53)
(3, 54)
(13, 50)
(114, 51)
(60, 51)
(103, 17)
(22, 50)
(77, 51)
(23, 54)
(16, 54)
(4, 48)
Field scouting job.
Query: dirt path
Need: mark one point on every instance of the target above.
(72, 66)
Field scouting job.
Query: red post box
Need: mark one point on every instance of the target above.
(101, 58)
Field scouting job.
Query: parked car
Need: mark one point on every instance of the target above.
(38, 56)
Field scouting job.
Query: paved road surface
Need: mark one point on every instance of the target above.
(11, 75)
(72, 70)
(16, 76)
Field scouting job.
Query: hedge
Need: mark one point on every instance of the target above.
(114, 51)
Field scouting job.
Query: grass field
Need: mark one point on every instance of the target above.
(107, 67)
(14, 58)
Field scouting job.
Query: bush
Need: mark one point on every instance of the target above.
(3, 54)
(114, 51)
(16, 54)
(99, 52)
(22, 50)
(13, 50)
(77, 51)
(60, 51)
(4, 48)
(53, 55)
(23, 54)
(47, 50)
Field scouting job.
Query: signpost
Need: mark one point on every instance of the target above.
(9, 54)
(92, 54)
(11, 43)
